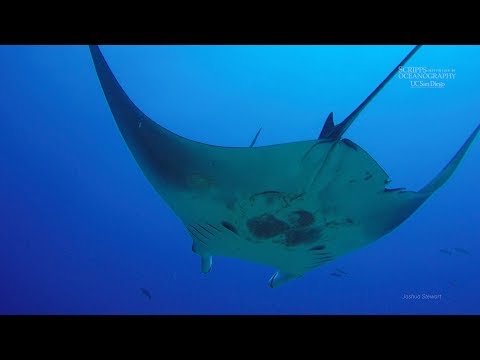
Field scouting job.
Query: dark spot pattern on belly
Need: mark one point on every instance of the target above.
(266, 226)
(302, 236)
(301, 218)
(297, 230)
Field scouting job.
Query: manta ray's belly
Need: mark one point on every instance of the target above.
(293, 206)
(287, 231)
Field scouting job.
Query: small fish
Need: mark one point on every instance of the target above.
(338, 270)
(462, 251)
(146, 293)
(445, 251)
(335, 274)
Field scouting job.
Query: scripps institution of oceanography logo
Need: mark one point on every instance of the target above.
(422, 77)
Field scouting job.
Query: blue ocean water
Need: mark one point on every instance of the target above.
(83, 232)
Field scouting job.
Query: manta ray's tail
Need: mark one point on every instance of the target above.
(450, 168)
(335, 132)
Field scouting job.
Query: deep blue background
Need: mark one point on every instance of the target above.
(81, 230)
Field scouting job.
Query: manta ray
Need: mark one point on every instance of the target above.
(293, 206)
